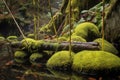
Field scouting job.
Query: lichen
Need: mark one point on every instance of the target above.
(87, 30)
(61, 59)
(12, 38)
(107, 46)
(20, 56)
(86, 61)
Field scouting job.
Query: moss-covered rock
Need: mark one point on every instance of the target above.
(36, 58)
(12, 38)
(77, 38)
(106, 46)
(20, 57)
(95, 61)
(87, 30)
(60, 60)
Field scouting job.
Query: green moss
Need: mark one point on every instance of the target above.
(31, 45)
(31, 36)
(60, 39)
(20, 56)
(87, 30)
(38, 43)
(95, 61)
(27, 41)
(107, 46)
(12, 38)
(36, 58)
(61, 59)
(77, 38)
(2, 38)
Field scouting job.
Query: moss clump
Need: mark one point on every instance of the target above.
(20, 56)
(2, 38)
(60, 39)
(95, 61)
(36, 58)
(87, 30)
(31, 45)
(38, 43)
(106, 46)
(77, 38)
(27, 43)
(12, 38)
(61, 59)
(31, 36)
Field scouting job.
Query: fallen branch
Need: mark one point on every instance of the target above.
(52, 46)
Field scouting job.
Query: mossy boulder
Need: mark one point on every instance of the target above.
(12, 38)
(87, 30)
(95, 61)
(107, 46)
(60, 60)
(77, 38)
(20, 57)
(36, 58)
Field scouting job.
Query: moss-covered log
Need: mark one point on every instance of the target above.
(53, 46)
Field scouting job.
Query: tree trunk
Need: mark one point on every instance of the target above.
(112, 23)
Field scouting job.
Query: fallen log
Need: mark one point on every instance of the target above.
(52, 46)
